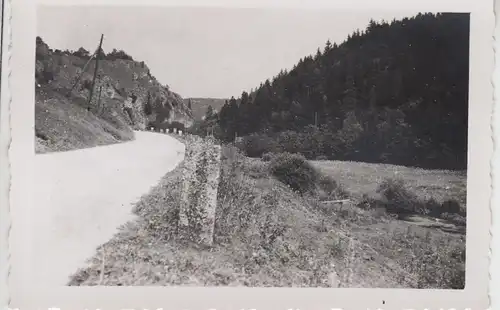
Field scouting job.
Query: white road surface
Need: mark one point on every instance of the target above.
(83, 196)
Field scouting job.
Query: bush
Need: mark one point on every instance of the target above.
(368, 203)
(397, 198)
(268, 156)
(115, 54)
(148, 109)
(177, 125)
(294, 171)
(256, 145)
(86, 84)
(431, 207)
(451, 206)
(329, 188)
(81, 52)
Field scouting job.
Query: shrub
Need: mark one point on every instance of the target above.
(48, 76)
(87, 84)
(397, 197)
(148, 109)
(451, 206)
(177, 125)
(294, 171)
(81, 52)
(255, 145)
(432, 208)
(328, 187)
(268, 156)
(115, 54)
(368, 203)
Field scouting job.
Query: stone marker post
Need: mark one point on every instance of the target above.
(199, 192)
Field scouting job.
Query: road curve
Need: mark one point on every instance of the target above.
(83, 196)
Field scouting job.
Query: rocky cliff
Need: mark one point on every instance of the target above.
(126, 96)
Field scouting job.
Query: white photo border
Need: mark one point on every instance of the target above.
(21, 152)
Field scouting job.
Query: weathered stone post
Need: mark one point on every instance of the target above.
(199, 193)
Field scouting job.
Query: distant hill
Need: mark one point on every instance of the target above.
(130, 99)
(199, 106)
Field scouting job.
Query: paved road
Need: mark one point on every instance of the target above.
(83, 196)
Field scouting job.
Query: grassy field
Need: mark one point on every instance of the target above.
(268, 235)
(364, 178)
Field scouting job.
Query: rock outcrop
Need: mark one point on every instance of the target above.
(143, 100)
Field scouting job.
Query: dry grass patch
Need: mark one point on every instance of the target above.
(63, 124)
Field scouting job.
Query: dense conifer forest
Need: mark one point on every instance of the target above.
(395, 93)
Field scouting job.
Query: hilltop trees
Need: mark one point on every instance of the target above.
(81, 52)
(396, 92)
(118, 54)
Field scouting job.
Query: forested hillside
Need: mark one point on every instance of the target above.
(396, 92)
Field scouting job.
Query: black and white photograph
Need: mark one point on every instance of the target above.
(338, 158)
(260, 147)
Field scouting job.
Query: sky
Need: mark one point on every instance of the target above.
(204, 52)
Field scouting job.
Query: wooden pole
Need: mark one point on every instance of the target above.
(98, 53)
(80, 76)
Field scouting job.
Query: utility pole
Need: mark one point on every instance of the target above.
(316, 119)
(98, 53)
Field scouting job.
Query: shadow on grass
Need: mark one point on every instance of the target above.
(435, 223)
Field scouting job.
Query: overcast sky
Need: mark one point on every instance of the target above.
(203, 52)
